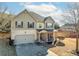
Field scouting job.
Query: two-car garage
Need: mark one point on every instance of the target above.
(25, 37)
(21, 39)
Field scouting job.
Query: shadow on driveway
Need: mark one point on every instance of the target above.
(32, 49)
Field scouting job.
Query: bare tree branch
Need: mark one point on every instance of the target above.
(72, 15)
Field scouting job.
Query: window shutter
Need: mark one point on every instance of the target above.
(21, 24)
(52, 25)
(16, 24)
(33, 24)
(28, 24)
(46, 25)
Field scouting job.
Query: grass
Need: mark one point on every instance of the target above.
(70, 45)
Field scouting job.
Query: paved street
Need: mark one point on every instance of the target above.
(31, 50)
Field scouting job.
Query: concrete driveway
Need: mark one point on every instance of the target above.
(31, 50)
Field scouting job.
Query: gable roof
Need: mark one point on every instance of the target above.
(34, 15)
(49, 17)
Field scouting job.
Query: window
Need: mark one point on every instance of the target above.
(49, 25)
(19, 24)
(30, 24)
(40, 25)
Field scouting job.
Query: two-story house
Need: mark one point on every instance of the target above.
(28, 27)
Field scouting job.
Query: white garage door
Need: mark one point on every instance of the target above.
(21, 39)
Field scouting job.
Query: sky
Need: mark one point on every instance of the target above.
(53, 9)
(18, 6)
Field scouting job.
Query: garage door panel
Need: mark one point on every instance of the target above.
(21, 39)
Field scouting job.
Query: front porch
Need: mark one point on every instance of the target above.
(45, 36)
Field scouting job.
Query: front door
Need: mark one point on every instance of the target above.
(43, 37)
(50, 37)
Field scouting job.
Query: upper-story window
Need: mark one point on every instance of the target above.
(40, 25)
(19, 24)
(49, 25)
(30, 24)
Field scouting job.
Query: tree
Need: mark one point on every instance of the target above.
(4, 18)
(72, 15)
(56, 26)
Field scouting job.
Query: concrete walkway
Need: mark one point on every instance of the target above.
(50, 53)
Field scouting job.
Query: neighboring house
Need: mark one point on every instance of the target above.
(28, 27)
(68, 27)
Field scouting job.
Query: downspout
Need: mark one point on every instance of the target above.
(53, 34)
